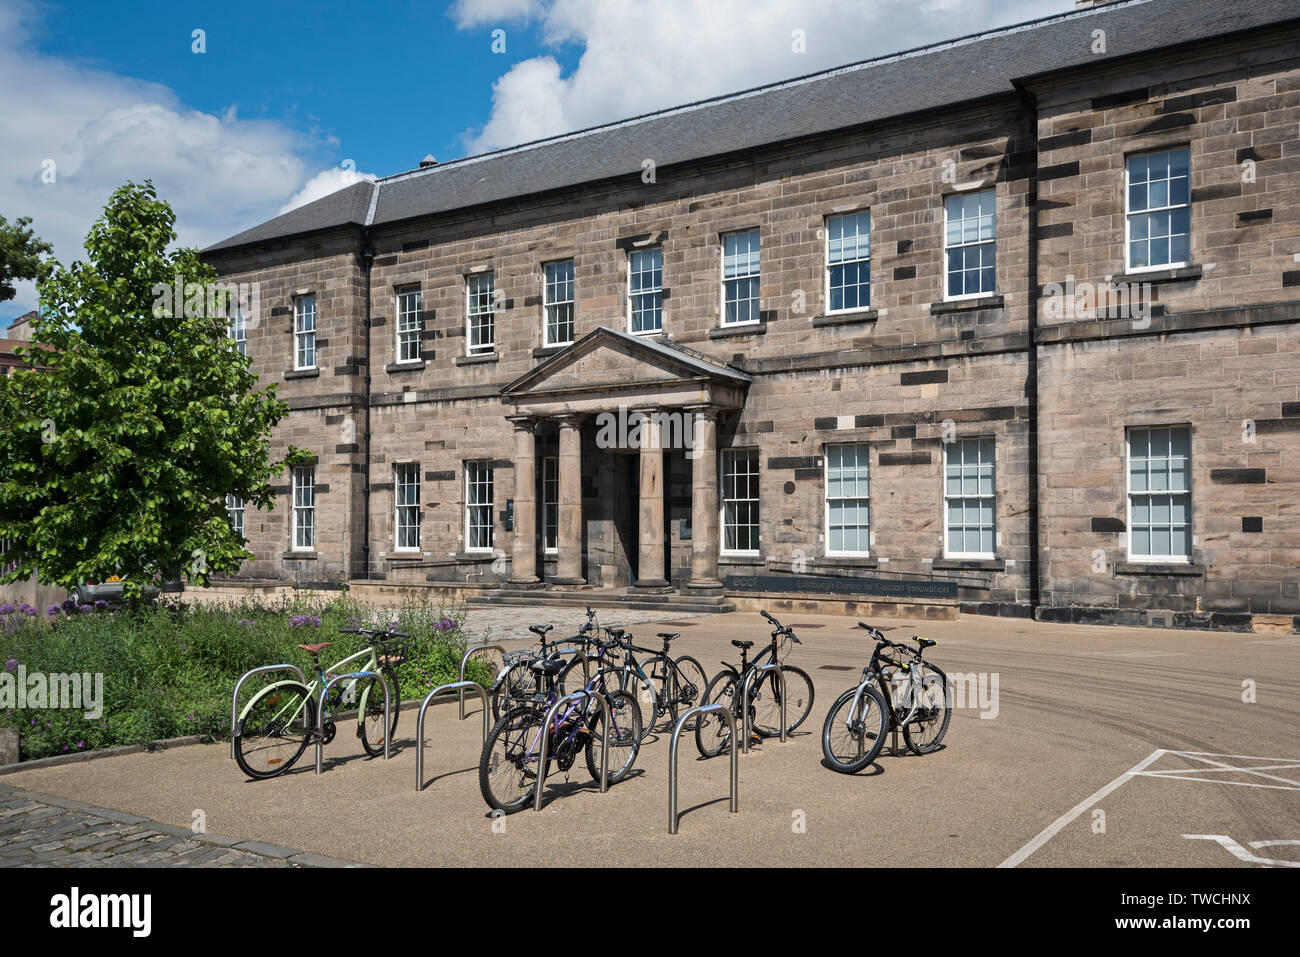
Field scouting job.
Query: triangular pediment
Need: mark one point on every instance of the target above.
(608, 361)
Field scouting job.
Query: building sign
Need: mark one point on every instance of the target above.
(826, 585)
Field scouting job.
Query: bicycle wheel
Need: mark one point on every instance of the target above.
(276, 730)
(371, 727)
(624, 737)
(929, 722)
(681, 682)
(851, 741)
(640, 690)
(797, 689)
(575, 676)
(510, 690)
(507, 769)
(712, 731)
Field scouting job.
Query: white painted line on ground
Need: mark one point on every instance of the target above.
(1236, 784)
(1220, 766)
(1239, 852)
(1059, 824)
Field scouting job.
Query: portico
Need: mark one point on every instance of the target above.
(634, 397)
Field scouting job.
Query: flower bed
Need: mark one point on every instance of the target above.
(169, 670)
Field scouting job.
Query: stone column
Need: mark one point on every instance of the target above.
(704, 499)
(650, 535)
(568, 566)
(523, 556)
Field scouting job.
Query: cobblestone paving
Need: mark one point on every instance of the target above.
(44, 831)
(505, 622)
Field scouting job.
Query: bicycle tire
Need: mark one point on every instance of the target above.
(927, 714)
(624, 737)
(869, 738)
(515, 736)
(246, 731)
(797, 688)
(711, 731)
(510, 689)
(370, 717)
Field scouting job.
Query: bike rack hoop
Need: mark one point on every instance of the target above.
(469, 652)
(701, 709)
(320, 712)
(546, 737)
(458, 686)
(234, 698)
(744, 701)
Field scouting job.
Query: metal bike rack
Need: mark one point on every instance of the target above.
(546, 738)
(234, 698)
(469, 652)
(699, 709)
(459, 686)
(744, 701)
(320, 713)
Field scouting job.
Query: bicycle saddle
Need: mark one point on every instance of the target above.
(669, 636)
(316, 649)
(540, 630)
(743, 644)
(925, 642)
(549, 666)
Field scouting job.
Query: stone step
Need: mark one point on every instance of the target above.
(669, 602)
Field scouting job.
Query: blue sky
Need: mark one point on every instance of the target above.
(286, 94)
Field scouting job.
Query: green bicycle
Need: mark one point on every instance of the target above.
(279, 722)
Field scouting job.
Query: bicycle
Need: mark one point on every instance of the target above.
(670, 684)
(508, 767)
(712, 733)
(878, 704)
(279, 722)
(517, 682)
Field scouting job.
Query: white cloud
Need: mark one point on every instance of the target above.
(637, 57)
(220, 173)
(323, 183)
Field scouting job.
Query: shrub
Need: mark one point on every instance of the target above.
(169, 670)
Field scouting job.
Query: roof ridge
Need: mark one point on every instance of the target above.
(767, 87)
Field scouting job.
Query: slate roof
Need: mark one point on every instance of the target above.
(958, 71)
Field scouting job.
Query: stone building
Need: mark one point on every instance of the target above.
(1009, 324)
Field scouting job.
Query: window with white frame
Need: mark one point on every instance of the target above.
(969, 499)
(478, 506)
(740, 271)
(406, 506)
(558, 304)
(848, 529)
(237, 329)
(848, 262)
(480, 312)
(1160, 494)
(550, 503)
(409, 304)
(304, 508)
(1159, 209)
(970, 244)
(645, 283)
(235, 512)
(304, 332)
(740, 500)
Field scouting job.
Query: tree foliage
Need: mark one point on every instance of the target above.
(134, 418)
(20, 254)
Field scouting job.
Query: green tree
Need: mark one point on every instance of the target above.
(134, 418)
(20, 254)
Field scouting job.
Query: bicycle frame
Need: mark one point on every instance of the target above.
(316, 689)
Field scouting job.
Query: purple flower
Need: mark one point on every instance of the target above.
(85, 608)
(53, 610)
(26, 609)
(304, 621)
(11, 664)
(6, 609)
(69, 604)
(100, 603)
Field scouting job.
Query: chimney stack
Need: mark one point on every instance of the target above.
(428, 161)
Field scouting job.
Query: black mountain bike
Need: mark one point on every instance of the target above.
(712, 732)
(855, 728)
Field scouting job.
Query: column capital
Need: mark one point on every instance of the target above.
(712, 412)
(523, 422)
(569, 420)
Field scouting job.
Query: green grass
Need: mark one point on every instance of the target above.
(170, 670)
